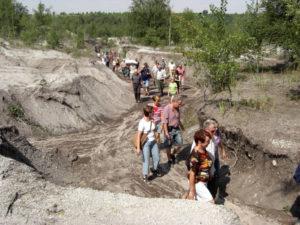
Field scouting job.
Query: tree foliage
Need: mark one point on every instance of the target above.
(213, 46)
(149, 20)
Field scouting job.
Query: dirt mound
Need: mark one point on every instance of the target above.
(57, 93)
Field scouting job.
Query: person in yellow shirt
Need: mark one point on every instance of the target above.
(173, 90)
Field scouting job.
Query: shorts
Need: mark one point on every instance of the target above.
(146, 83)
(175, 138)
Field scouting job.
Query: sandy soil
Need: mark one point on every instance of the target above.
(102, 158)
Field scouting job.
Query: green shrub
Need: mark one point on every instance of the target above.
(16, 111)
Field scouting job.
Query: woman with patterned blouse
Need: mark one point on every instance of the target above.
(199, 166)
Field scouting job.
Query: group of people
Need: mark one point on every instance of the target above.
(173, 76)
(163, 128)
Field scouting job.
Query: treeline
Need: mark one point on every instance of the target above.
(43, 25)
(151, 22)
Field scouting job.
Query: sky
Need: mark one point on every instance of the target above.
(234, 6)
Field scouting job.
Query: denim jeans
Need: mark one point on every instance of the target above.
(176, 138)
(150, 146)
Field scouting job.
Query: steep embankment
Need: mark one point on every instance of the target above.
(51, 91)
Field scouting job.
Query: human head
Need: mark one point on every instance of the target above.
(210, 125)
(172, 79)
(156, 99)
(176, 102)
(202, 137)
(147, 111)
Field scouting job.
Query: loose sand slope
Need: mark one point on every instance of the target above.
(59, 93)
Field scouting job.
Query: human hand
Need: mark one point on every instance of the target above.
(191, 195)
(138, 151)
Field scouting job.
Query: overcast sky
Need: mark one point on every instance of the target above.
(234, 6)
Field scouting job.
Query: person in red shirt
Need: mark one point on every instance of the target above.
(180, 70)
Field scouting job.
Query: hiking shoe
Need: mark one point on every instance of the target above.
(170, 162)
(156, 173)
(173, 159)
(145, 179)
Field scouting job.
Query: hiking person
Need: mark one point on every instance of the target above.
(172, 68)
(163, 63)
(137, 63)
(160, 79)
(132, 68)
(172, 128)
(173, 90)
(157, 110)
(177, 80)
(123, 65)
(154, 71)
(214, 147)
(137, 84)
(199, 164)
(181, 74)
(107, 60)
(97, 50)
(146, 75)
(147, 125)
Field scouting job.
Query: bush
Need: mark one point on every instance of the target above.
(53, 39)
(16, 111)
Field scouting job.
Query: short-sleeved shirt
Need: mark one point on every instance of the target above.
(161, 74)
(172, 66)
(200, 164)
(136, 79)
(157, 111)
(144, 126)
(173, 88)
(145, 74)
(154, 70)
(180, 71)
(171, 116)
(212, 150)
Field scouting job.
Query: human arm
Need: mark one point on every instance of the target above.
(192, 186)
(138, 148)
(222, 151)
(164, 119)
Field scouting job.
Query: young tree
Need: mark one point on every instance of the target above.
(6, 18)
(212, 46)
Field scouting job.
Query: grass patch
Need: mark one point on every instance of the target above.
(286, 208)
(16, 111)
(189, 117)
(261, 82)
(222, 106)
(262, 103)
